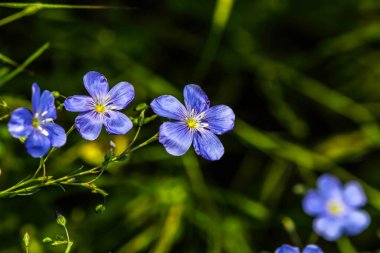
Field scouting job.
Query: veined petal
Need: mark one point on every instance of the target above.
(37, 144)
(220, 119)
(354, 194)
(312, 203)
(176, 137)
(169, 107)
(46, 108)
(20, 124)
(117, 122)
(79, 103)
(287, 249)
(356, 222)
(56, 135)
(208, 145)
(36, 95)
(120, 96)
(195, 98)
(312, 249)
(89, 125)
(96, 84)
(329, 228)
(329, 186)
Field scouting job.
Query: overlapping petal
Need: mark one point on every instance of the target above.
(354, 194)
(79, 103)
(169, 107)
(356, 221)
(175, 137)
(20, 124)
(96, 84)
(329, 185)
(220, 119)
(208, 145)
(312, 203)
(89, 125)
(46, 108)
(120, 96)
(56, 135)
(117, 122)
(328, 227)
(312, 249)
(195, 98)
(287, 249)
(37, 144)
(36, 95)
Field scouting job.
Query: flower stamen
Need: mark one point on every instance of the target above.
(100, 108)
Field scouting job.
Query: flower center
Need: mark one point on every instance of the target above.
(335, 208)
(100, 108)
(36, 121)
(192, 123)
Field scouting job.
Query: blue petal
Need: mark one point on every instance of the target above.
(312, 203)
(56, 135)
(96, 84)
(354, 194)
(329, 186)
(208, 145)
(36, 95)
(287, 249)
(120, 96)
(46, 108)
(176, 137)
(20, 124)
(37, 144)
(312, 249)
(169, 107)
(89, 125)
(117, 122)
(79, 103)
(220, 119)
(329, 228)
(356, 221)
(195, 98)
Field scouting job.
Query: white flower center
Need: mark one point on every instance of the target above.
(335, 207)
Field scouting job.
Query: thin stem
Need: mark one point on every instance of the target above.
(150, 140)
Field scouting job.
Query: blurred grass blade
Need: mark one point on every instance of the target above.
(60, 6)
(345, 246)
(28, 61)
(141, 241)
(8, 60)
(29, 10)
(222, 13)
(170, 230)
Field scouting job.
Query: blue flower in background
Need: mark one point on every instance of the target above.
(336, 208)
(290, 249)
(101, 108)
(37, 125)
(196, 123)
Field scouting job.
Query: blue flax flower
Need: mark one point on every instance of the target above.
(290, 249)
(196, 123)
(101, 107)
(336, 208)
(37, 125)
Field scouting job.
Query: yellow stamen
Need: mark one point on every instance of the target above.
(335, 208)
(35, 122)
(192, 123)
(100, 108)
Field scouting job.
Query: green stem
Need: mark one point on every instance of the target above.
(345, 245)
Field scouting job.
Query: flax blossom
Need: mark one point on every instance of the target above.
(37, 126)
(101, 107)
(290, 249)
(336, 208)
(195, 123)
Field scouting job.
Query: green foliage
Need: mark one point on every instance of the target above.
(301, 76)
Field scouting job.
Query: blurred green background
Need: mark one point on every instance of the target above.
(303, 80)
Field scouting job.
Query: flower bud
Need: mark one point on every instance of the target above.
(61, 220)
